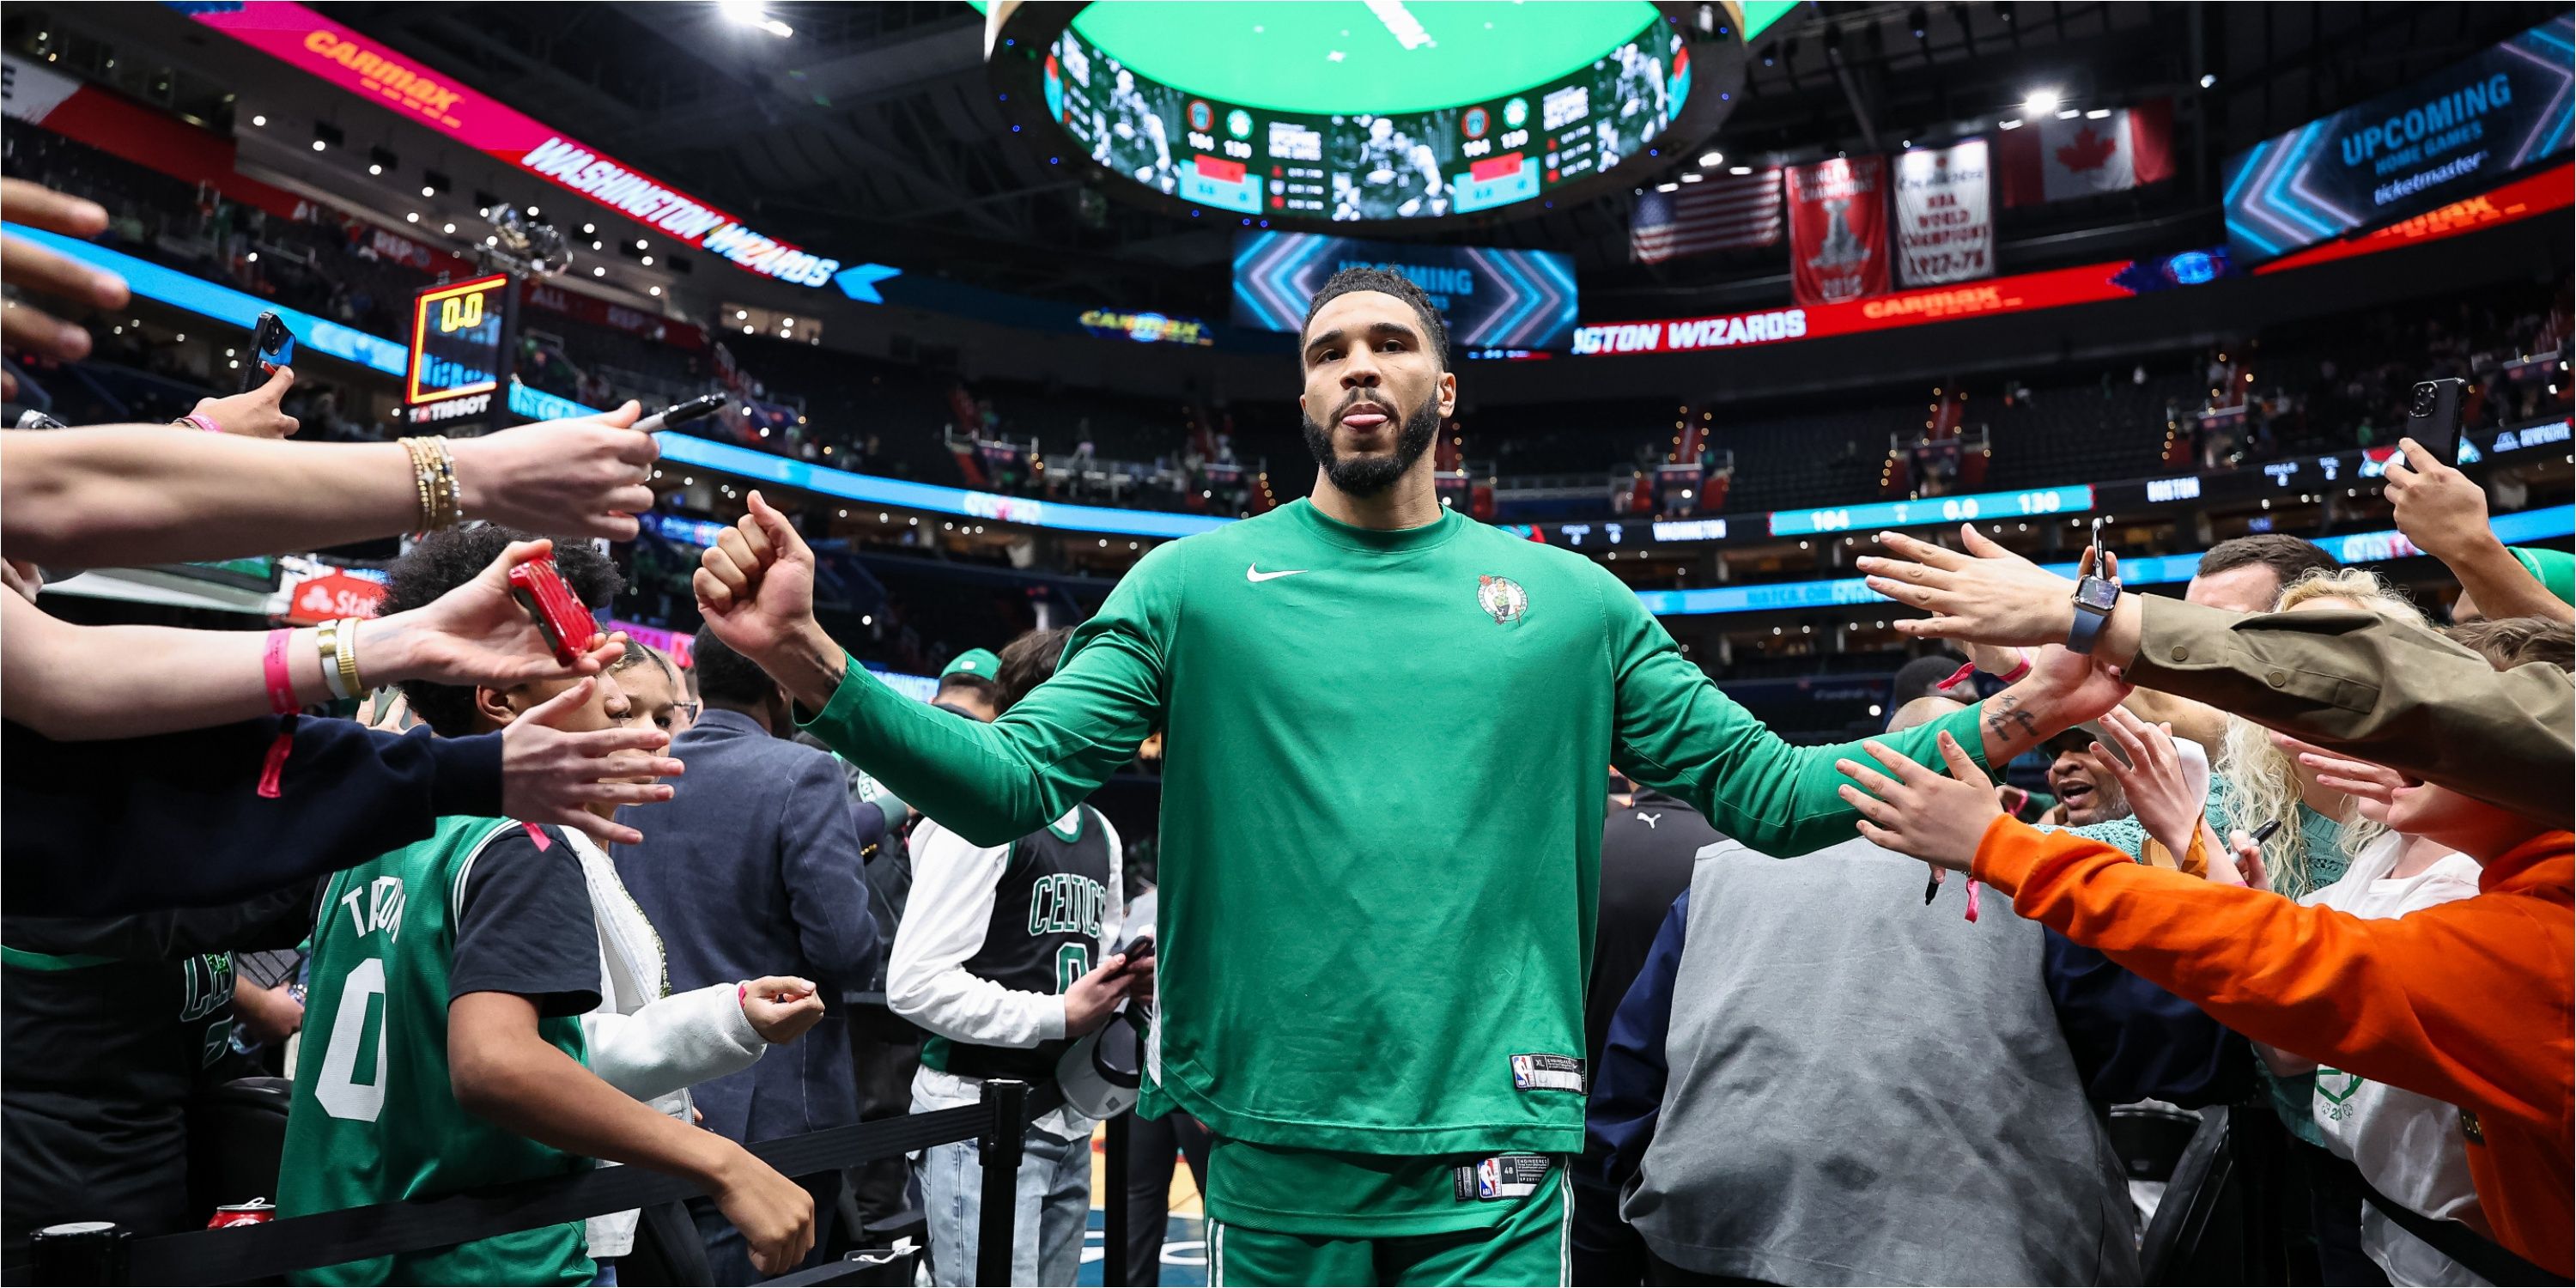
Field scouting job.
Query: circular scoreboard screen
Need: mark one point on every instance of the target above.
(1351, 111)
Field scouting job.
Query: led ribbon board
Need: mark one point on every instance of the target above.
(1488, 298)
(310, 42)
(2453, 133)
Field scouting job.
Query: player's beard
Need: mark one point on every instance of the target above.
(1370, 475)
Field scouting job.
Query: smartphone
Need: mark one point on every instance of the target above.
(2433, 418)
(675, 416)
(273, 346)
(558, 612)
(1139, 949)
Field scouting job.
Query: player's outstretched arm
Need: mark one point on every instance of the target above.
(1676, 730)
(988, 783)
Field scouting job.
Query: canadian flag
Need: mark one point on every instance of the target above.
(2085, 155)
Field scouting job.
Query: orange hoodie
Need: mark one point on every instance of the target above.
(2468, 1002)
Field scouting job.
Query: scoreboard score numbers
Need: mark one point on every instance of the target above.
(457, 335)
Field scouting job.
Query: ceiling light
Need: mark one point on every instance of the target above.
(2008, 125)
(597, 271)
(532, 210)
(2207, 81)
(1667, 187)
(1712, 160)
(427, 191)
(749, 14)
(2068, 114)
(259, 120)
(2098, 114)
(641, 244)
(373, 168)
(2040, 102)
(1739, 169)
(451, 228)
(655, 290)
(412, 218)
(1693, 178)
(319, 145)
(648, 261)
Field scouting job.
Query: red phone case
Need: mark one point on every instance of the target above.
(558, 612)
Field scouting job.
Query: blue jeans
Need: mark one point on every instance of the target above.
(1047, 1222)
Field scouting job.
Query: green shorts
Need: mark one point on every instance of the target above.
(1530, 1245)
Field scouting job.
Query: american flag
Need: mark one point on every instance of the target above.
(1724, 211)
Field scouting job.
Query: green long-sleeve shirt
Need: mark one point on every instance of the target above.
(1382, 810)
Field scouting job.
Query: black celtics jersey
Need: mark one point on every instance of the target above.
(1043, 935)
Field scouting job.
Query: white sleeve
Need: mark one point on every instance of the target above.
(926, 977)
(673, 1042)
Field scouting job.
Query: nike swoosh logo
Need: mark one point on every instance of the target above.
(1253, 573)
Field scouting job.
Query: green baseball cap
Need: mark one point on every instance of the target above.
(2555, 570)
(974, 661)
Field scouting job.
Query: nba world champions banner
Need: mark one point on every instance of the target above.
(1945, 227)
(1838, 229)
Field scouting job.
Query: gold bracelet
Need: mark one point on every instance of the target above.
(326, 638)
(443, 462)
(422, 479)
(349, 658)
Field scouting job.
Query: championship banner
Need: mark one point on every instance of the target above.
(2454, 133)
(1838, 230)
(1945, 227)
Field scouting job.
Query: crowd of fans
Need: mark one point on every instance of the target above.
(2304, 852)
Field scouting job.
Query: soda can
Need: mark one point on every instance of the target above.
(258, 1211)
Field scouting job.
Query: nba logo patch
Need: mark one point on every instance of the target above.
(1489, 1178)
(1521, 1072)
(1502, 599)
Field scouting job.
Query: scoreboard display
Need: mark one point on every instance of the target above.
(458, 336)
(1368, 166)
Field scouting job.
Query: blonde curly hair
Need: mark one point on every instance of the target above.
(2263, 781)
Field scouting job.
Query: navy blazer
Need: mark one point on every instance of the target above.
(753, 868)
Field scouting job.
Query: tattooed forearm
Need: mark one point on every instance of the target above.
(2003, 713)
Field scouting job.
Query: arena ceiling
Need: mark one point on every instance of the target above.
(875, 125)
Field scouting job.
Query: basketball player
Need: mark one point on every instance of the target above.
(1382, 814)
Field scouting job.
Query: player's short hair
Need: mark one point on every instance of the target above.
(1921, 677)
(2508, 642)
(444, 561)
(1364, 278)
(1028, 662)
(2287, 556)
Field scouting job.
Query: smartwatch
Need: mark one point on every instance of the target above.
(2095, 597)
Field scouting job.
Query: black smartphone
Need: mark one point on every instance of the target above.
(1141, 948)
(2433, 418)
(680, 414)
(273, 346)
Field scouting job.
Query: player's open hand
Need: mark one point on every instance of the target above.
(1912, 810)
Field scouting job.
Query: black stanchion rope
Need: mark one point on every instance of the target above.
(236, 1253)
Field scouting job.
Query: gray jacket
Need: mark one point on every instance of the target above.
(1864, 1089)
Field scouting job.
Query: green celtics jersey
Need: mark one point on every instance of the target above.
(1382, 811)
(374, 1118)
